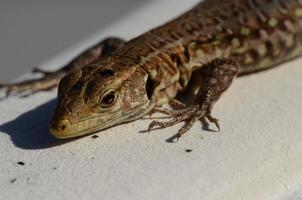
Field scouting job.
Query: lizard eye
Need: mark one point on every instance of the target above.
(108, 99)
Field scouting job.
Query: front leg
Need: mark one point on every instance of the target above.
(50, 80)
(217, 77)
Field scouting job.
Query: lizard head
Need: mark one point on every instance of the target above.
(99, 96)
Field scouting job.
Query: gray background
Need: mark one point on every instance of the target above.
(33, 31)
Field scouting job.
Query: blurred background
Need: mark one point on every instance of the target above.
(33, 31)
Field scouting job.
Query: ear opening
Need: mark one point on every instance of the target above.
(107, 72)
(149, 87)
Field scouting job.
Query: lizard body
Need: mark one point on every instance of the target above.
(201, 51)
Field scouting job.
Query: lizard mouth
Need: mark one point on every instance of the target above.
(63, 129)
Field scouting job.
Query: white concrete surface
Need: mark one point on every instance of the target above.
(257, 154)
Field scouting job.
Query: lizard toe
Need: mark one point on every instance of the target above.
(188, 115)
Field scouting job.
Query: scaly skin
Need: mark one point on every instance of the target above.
(211, 43)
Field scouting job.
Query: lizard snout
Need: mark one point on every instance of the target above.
(59, 128)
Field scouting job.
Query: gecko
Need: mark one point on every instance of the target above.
(198, 53)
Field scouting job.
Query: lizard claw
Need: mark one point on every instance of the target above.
(9, 89)
(213, 120)
(151, 125)
(189, 115)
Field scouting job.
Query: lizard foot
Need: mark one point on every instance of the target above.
(189, 115)
(217, 77)
(47, 82)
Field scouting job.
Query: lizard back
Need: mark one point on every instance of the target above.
(258, 34)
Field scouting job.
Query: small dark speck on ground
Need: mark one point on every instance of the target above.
(189, 150)
(13, 180)
(54, 168)
(20, 163)
(95, 136)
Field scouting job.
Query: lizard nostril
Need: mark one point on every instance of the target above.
(60, 128)
(63, 127)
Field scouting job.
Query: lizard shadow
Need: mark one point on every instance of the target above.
(30, 130)
(204, 126)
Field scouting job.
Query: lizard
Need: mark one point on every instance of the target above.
(199, 53)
